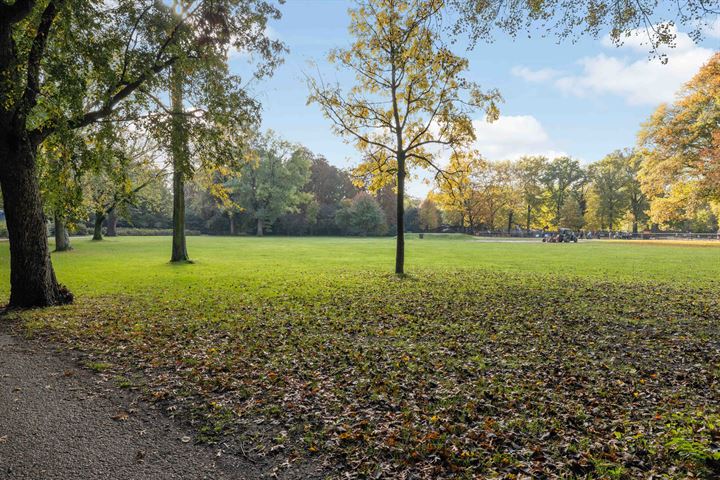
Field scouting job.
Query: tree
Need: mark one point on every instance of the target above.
(386, 196)
(152, 207)
(219, 182)
(122, 165)
(492, 192)
(429, 215)
(680, 143)
(65, 65)
(529, 172)
(678, 206)
(60, 172)
(272, 183)
(637, 200)
(455, 187)
(361, 216)
(409, 97)
(222, 116)
(412, 219)
(609, 181)
(561, 178)
(571, 215)
(328, 185)
(656, 21)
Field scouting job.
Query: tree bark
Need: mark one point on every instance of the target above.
(260, 225)
(32, 278)
(111, 223)
(232, 223)
(400, 244)
(510, 219)
(179, 246)
(97, 230)
(62, 239)
(529, 213)
(180, 162)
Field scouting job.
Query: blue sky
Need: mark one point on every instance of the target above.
(582, 99)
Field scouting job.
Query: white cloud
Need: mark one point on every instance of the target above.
(530, 75)
(637, 78)
(512, 136)
(712, 30)
(508, 138)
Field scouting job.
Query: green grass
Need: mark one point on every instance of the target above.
(489, 359)
(133, 264)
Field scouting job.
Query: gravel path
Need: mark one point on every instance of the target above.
(59, 421)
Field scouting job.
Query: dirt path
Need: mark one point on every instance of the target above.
(59, 421)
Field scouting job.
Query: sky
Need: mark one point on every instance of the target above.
(583, 99)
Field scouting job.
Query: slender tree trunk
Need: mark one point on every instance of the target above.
(111, 223)
(260, 225)
(179, 246)
(32, 278)
(97, 230)
(400, 245)
(180, 162)
(62, 239)
(529, 213)
(232, 223)
(510, 219)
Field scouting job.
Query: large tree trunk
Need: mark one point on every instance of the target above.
(111, 223)
(97, 230)
(32, 278)
(180, 161)
(260, 225)
(400, 244)
(62, 239)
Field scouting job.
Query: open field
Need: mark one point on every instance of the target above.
(589, 360)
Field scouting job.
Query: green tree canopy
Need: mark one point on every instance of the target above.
(272, 182)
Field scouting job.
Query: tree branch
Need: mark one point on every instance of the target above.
(109, 105)
(32, 85)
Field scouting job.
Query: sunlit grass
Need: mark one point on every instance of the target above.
(139, 264)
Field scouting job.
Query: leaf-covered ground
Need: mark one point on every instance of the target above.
(456, 371)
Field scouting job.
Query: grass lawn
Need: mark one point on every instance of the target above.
(491, 359)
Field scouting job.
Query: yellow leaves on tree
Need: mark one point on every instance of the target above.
(409, 100)
(681, 147)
